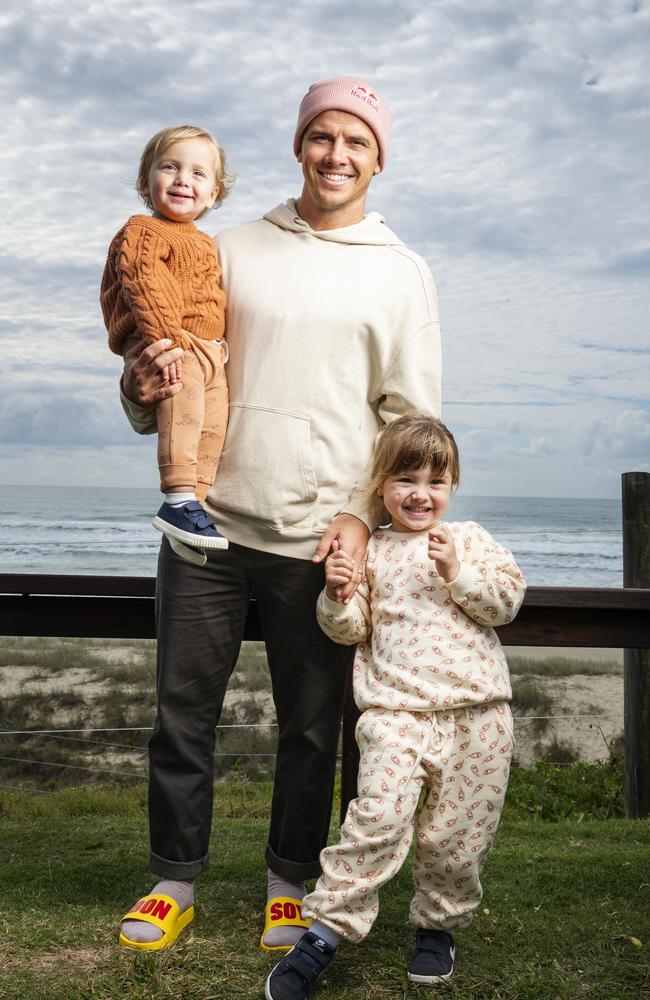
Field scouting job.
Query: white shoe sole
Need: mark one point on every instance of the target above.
(196, 557)
(267, 988)
(428, 980)
(194, 541)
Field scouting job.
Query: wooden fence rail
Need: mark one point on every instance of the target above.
(123, 607)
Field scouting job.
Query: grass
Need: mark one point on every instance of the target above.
(565, 905)
(554, 793)
(63, 654)
(561, 666)
(528, 696)
(121, 675)
(567, 890)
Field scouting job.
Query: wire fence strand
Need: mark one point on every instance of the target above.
(129, 729)
(255, 725)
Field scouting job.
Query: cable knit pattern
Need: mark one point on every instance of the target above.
(425, 644)
(162, 278)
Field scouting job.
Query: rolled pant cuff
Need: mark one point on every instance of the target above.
(292, 871)
(183, 871)
(450, 924)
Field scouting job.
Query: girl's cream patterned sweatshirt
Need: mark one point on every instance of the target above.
(426, 644)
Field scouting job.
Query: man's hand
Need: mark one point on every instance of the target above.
(148, 371)
(349, 534)
(442, 550)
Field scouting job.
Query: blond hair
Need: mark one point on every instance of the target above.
(160, 143)
(412, 442)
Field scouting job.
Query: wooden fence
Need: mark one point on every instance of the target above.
(123, 607)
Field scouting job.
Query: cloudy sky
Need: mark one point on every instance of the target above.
(518, 168)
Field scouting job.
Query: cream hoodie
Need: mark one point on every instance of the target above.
(331, 334)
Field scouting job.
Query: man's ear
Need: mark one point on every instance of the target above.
(377, 169)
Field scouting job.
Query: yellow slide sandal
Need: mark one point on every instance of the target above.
(161, 911)
(282, 911)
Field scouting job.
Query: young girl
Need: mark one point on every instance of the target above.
(432, 683)
(162, 281)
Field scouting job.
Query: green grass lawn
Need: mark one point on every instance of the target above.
(566, 912)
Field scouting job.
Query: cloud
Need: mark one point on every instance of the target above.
(518, 168)
(42, 412)
(626, 436)
(633, 263)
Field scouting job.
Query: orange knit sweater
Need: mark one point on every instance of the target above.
(162, 278)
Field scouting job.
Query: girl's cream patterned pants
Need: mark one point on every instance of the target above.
(458, 762)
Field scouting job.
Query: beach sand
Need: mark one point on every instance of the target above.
(586, 711)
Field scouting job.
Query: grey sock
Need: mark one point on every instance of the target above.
(283, 937)
(329, 936)
(138, 930)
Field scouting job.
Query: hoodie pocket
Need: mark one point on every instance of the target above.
(266, 470)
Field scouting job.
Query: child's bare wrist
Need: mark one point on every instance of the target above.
(451, 572)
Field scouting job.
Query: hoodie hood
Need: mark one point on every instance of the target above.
(371, 231)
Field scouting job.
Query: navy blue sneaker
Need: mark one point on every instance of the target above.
(189, 524)
(294, 976)
(432, 960)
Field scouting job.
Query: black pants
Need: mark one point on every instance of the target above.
(201, 614)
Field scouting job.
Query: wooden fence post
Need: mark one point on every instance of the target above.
(636, 573)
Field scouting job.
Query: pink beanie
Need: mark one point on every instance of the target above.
(346, 93)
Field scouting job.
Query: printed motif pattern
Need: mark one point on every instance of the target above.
(423, 643)
(462, 759)
(432, 682)
(192, 424)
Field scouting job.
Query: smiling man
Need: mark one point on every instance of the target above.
(332, 326)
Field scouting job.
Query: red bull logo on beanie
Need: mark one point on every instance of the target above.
(365, 95)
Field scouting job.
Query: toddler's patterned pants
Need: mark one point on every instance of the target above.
(461, 758)
(192, 423)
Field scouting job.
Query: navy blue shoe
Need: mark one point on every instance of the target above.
(432, 960)
(189, 524)
(294, 976)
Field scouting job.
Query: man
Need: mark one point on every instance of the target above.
(333, 331)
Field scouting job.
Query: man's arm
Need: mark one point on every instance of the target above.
(412, 382)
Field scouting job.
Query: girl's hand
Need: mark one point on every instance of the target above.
(348, 533)
(442, 550)
(339, 570)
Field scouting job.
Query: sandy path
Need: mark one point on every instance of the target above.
(587, 711)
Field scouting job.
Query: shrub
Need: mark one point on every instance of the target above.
(577, 792)
(560, 752)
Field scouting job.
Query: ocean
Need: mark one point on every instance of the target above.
(97, 531)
